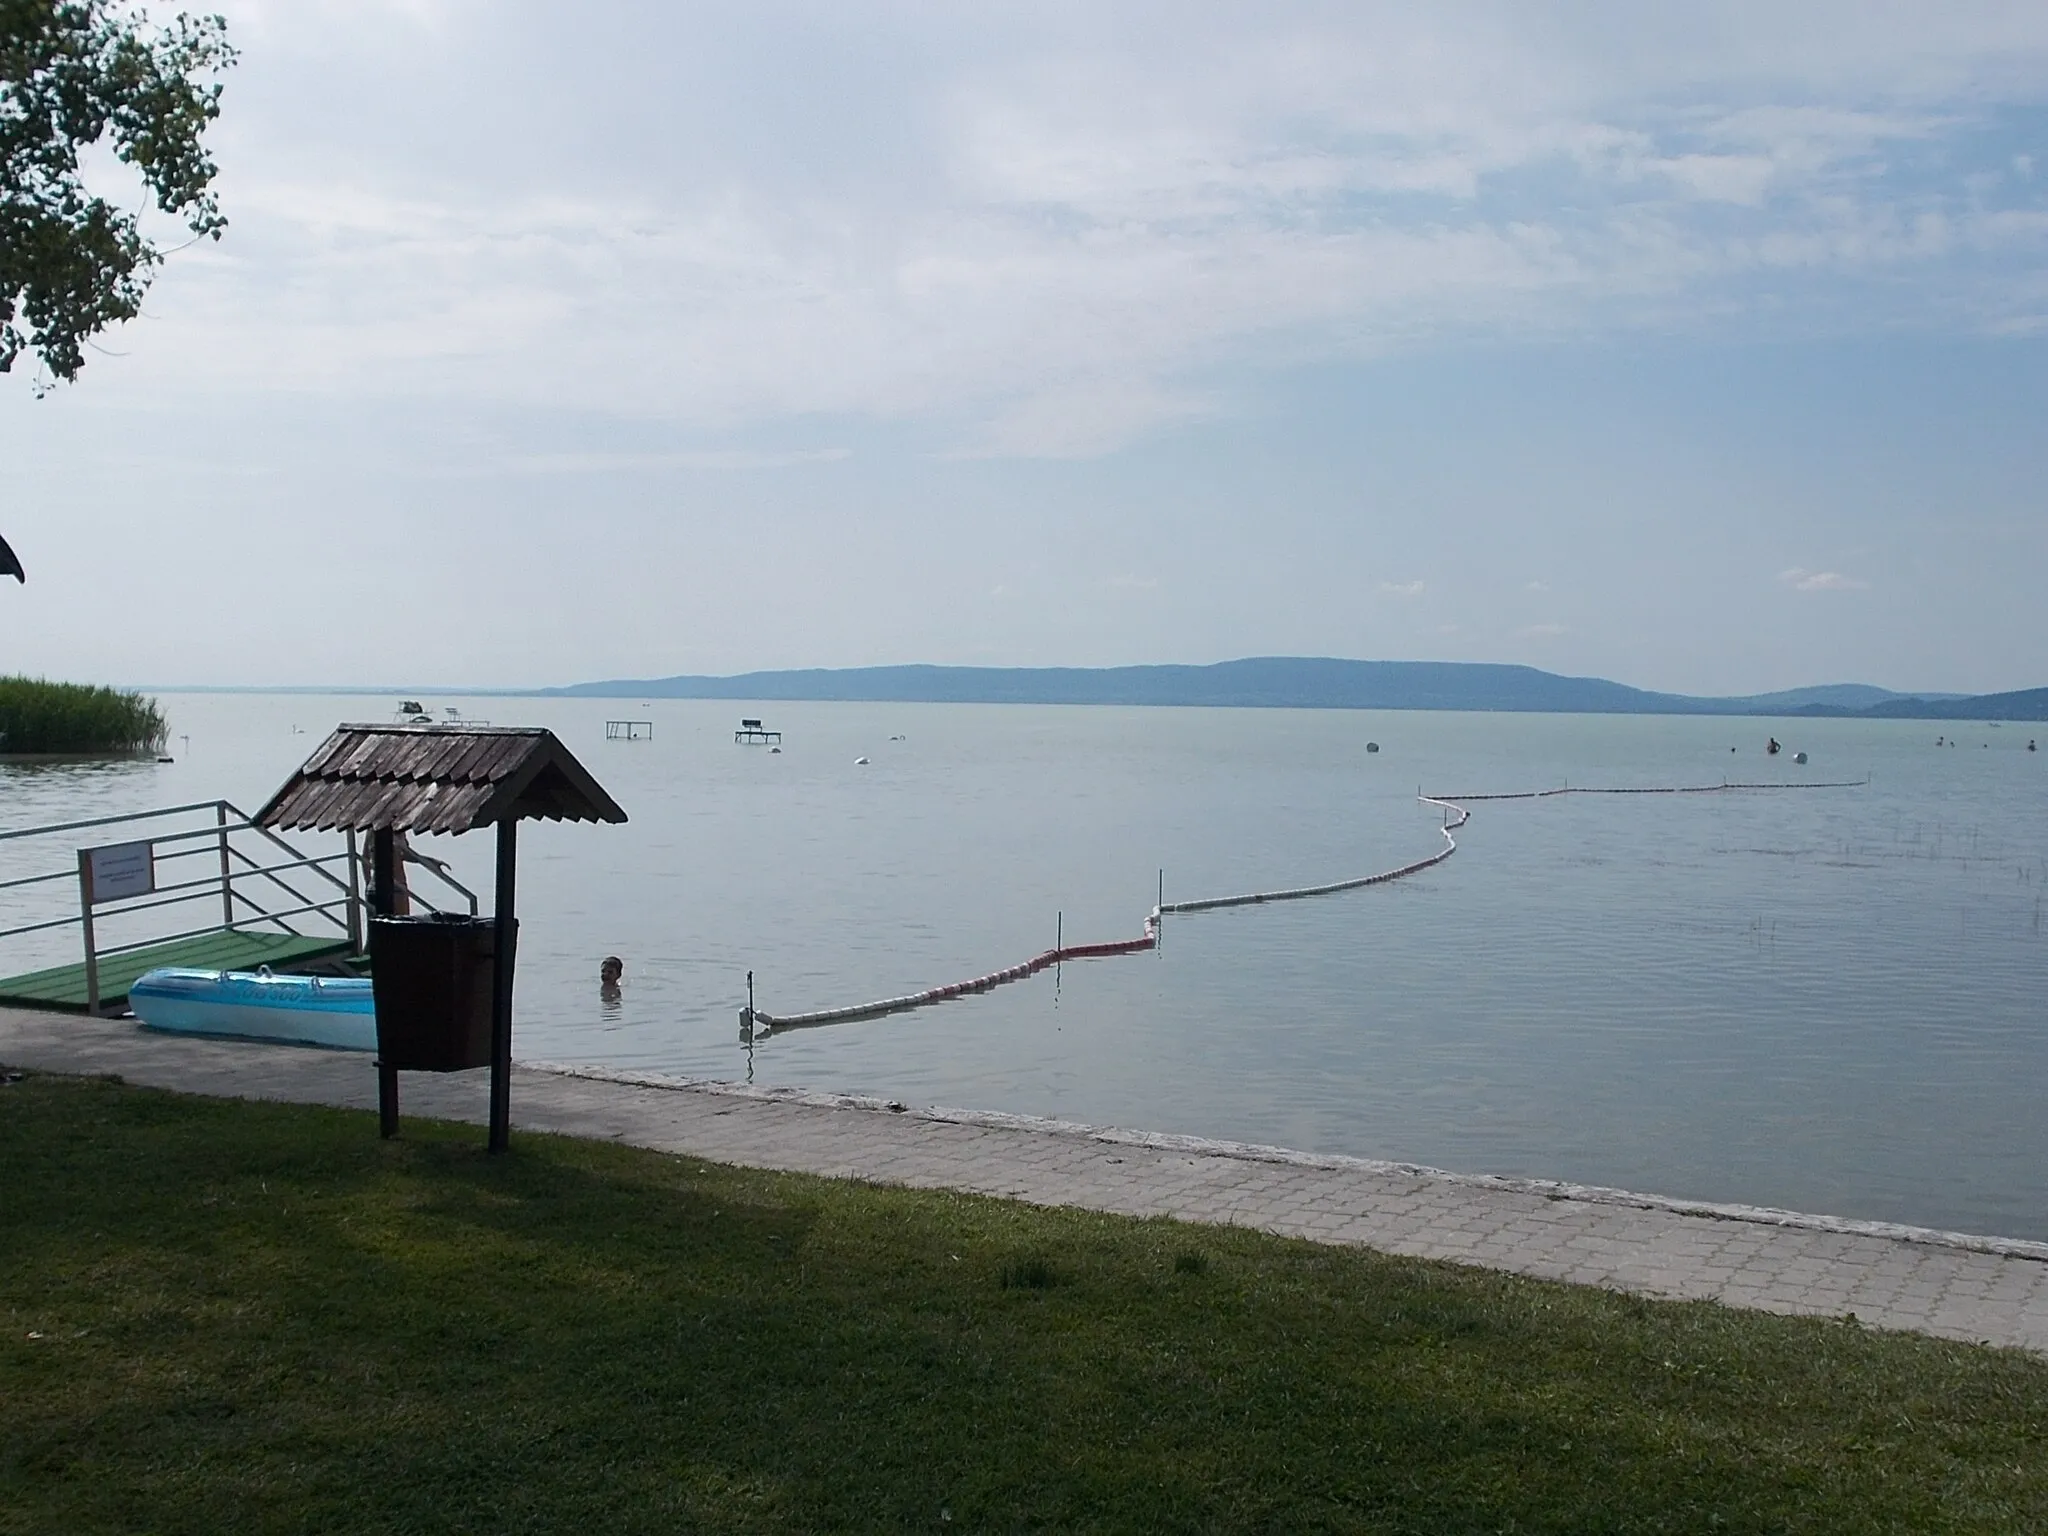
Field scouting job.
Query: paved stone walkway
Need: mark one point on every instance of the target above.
(1893, 1277)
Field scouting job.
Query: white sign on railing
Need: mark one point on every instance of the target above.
(121, 869)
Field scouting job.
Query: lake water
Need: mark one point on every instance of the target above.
(1829, 999)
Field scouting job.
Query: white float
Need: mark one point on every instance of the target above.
(334, 1011)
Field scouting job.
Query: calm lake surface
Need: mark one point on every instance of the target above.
(1828, 999)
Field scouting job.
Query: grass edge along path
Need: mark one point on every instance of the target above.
(234, 1315)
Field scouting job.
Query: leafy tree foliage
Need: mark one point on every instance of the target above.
(74, 73)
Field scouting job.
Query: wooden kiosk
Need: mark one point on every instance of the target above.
(381, 780)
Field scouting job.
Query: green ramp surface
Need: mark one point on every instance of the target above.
(62, 987)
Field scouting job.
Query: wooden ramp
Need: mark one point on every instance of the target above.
(62, 987)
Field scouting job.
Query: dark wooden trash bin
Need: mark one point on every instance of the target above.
(434, 978)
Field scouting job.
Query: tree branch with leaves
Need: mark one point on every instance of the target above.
(73, 74)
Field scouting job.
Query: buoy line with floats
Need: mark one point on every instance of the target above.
(755, 1021)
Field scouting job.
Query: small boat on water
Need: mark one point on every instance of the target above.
(413, 712)
(335, 1011)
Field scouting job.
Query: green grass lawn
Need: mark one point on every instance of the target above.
(225, 1317)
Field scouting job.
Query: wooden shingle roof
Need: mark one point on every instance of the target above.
(436, 778)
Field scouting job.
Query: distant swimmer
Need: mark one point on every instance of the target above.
(1773, 749)
(608, 977)
(2030, 743)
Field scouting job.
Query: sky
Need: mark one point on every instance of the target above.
(1704, 347)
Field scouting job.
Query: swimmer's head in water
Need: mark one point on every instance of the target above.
(610, 972)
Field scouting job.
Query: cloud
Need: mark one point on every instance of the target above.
(1802, 580)
(702, 458)
(1081, 420)
(1542, 631)
(1537, 586)
(1048, 233)
(1403, 588)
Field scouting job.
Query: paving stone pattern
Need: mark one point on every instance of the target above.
(1893, 1277)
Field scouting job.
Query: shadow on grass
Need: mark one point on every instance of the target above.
(260, 1317)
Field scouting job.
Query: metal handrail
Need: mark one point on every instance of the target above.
(257, 914)
(192, 890)
(438, 868)
(194, 835)
(212, 833)
(55, 922)
(108, 821)
(238, 867)
(260, 914)
(193, 933)
(101, 951)
(265, 832)
(213, 837)
(204, 883)
(307, 863)
(61, 874)
(269, 873)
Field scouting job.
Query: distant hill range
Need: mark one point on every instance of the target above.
(1311, 682)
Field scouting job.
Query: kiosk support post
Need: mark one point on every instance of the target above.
(501, 989)
(384, 881)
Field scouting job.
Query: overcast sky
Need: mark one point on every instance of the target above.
(1701, 347)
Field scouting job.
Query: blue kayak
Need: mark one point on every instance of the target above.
(334, 1011)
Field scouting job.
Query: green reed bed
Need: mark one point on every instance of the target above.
(45, 718)
(223, 1316)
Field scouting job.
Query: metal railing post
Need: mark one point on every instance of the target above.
(92, 959)
(227, 888)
